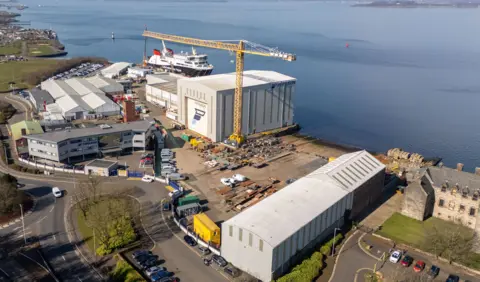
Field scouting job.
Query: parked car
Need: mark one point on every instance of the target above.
(168, 166)
(150, 262)
(433, 272)
(219, 260)
(158, 276)
(452, 278)
(148, 155)
(232, 271)
(204, 251)
(56, 192)
(154, 269)
(190, 241)
(419, 266)
(395, 256)
(169, 279)
(138, 253)
(407, 261)
(239, 177)
(177, 176)
(147, 178)
(20, 185)
(228, 181)
(142, 258)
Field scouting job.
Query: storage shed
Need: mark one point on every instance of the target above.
(206, 103)
(267, 239)
(101, 167)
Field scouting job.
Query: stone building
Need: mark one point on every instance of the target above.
(446, 193)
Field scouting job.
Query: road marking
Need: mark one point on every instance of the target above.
(16, 228)
(41, 219)
(4, 272)
(79, 279)
(21, 235)
(64, 258)
(52, 209)
(54, 238)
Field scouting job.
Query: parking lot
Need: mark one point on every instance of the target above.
(85, 69)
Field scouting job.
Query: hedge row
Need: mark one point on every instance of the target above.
(310, 268)
(124, 272)
(26, 169)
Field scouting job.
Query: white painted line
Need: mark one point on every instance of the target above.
(64, 258)
(16, 228)
(79, 279)
(41, 219)
(54, 238)
(4, 272)
(52, 209)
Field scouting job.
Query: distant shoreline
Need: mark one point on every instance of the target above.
(413, 4)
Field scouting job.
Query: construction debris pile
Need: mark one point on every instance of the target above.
(398, 161)
(254, 152)
(245, 195)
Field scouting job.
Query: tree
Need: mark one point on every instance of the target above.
(2, 118)
(10, 197)
(453, 244)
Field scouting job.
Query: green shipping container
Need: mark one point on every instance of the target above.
(188, 200)
(186, 137)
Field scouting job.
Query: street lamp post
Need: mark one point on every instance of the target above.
(334, 235)
(23, 224)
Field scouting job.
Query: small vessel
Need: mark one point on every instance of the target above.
(190, 65)
(113, 35)
(347, 45)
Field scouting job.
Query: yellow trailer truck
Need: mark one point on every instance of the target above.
(206, 228)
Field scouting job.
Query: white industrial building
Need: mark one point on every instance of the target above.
(136, 72)
(115, 70)
(76, 98)
(161, 89)
(107, 85)
(269, 238)
(205, 104)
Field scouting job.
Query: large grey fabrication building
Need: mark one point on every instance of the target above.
(206, 103)
(266, 240)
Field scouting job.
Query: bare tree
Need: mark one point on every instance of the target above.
(453, 244)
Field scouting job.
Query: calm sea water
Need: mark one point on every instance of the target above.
(410, 79)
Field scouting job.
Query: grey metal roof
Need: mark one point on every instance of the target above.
(41, 95)
(59, 136)
(170, 87)
(277, 217)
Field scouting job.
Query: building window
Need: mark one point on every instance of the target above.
(75, 141)
(441, 202)
(260, 245)
(250, 239)
(461, 209)
(472, 212)
(34, 141)
(230, 231)
(138, 141)
(240, 234)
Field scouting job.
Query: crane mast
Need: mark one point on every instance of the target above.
(240, 48)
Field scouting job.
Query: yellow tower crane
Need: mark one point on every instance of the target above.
(240, 47)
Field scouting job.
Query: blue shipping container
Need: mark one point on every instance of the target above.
(174, 185)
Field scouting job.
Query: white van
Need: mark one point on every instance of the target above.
(56, 192)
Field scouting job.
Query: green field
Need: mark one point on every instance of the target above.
(412, 232)
(12, 49)
(40, 50)
(20, 71)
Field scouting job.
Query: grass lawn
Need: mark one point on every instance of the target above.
(12, 49)
(412, 232)
(124, 272)
(40, 50)
(19, 71)
(85, 230)
(403, 229)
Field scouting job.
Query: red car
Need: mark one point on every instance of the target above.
(407, 261)
(419, 266)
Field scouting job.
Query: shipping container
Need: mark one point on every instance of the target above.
(188, 200)
(189, 209)
(186, 137)
(175, 185)
(206, 228)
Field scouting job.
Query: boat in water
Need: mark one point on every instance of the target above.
(190, 65)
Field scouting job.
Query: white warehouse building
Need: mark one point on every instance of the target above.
(205, 104)
(269, 238)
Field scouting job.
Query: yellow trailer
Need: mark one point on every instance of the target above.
(206, 228)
